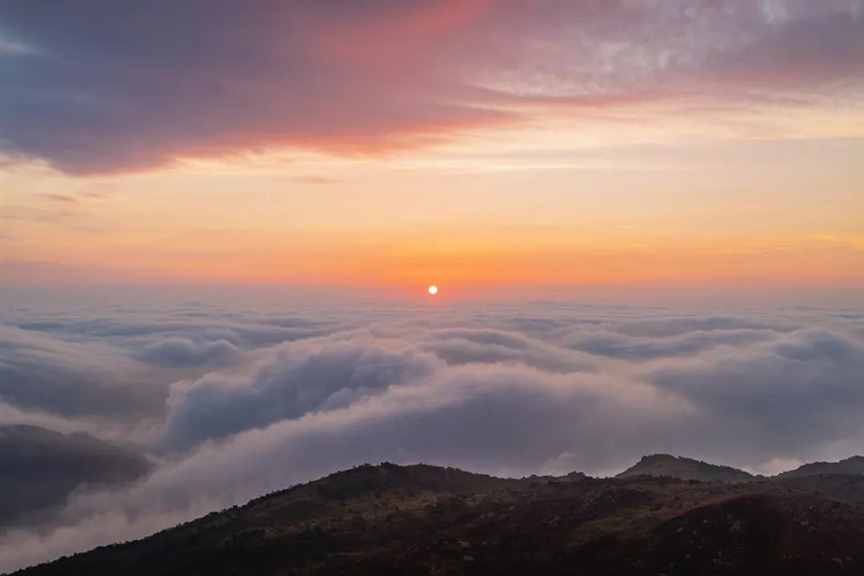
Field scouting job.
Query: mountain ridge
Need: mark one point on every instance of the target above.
(424, 519)
(853, 466)
(667, 465)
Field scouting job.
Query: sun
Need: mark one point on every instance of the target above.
(432, 290)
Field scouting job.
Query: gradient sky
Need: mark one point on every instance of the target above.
(218, 220)
(556, 147)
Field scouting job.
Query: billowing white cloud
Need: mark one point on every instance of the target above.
(183, 352)
(790, 395)
(43, 373)
(292, 381)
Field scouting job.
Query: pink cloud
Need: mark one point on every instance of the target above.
(129, 91)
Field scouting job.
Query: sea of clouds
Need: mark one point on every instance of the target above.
(119, 422)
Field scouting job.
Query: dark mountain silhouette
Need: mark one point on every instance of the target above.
(854, 466)
(390, 519)
(668, 466)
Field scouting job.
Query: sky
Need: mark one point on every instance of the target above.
(219, 220)
(490, 146)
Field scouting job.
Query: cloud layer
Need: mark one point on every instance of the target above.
(88, 89)
(39, 470)
(210, 407)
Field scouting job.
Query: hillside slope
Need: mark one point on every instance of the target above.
(666, 465)
(390, 519)
(850, 466)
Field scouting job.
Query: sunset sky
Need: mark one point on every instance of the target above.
(220, 220)
(489, 146)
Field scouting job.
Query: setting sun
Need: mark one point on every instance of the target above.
(432, 290)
